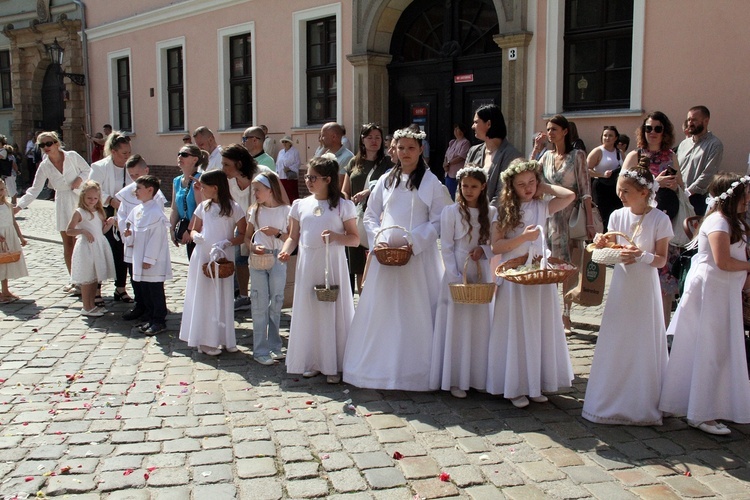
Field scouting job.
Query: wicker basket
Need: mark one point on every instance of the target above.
(393, 256)
(608, 256)
(538, 276)
(221, 268)
(327, 292)
(264, 261)
(472, 293)
(6, 256)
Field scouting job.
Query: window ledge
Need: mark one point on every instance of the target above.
(309, 128)
(173, 132)
(598, 113)
(233, 130)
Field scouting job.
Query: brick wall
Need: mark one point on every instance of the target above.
(166, 174)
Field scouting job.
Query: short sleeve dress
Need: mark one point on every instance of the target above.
(12, 270)
(92, 262)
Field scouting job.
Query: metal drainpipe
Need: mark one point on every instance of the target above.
(85, 55)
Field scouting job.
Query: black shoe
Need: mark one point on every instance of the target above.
(155, 329)
(134, 313)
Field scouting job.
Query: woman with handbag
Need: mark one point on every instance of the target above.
(185, 197)
(604, 164)
(566, 167)
(362, 173)
(655, 137)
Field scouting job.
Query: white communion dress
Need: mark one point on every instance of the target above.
(17, 269)
(92, 261)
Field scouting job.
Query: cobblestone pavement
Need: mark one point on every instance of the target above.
(90, 409)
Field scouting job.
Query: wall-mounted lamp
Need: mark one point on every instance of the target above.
(56, 54)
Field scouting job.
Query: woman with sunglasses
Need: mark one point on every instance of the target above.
(604, 164)
(655, 138)
(65, 171)
(185, 195)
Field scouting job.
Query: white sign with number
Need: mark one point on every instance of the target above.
(513, 54)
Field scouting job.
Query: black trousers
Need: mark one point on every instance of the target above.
(136, 288)
(118, 254)
(154, 301)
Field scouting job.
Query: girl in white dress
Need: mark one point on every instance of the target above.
(462, 331)
(706, 377)
(390, 343)
(92, 260)
(208, 313)
(269, 217)
(318, 332)
(631, 351)
(10, 234)
(527, 344)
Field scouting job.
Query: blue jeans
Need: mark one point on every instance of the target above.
(267, 294)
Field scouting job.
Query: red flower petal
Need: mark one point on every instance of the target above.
(28, 478)
(445, 477)
(146, 476)
(397, 455)
(127, 472)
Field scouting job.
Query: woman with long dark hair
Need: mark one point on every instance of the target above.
(604, 164)
(185, 196)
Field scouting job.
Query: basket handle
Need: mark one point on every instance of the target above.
(592, 246)
(268, 250)
(466, 268)
(408, 234)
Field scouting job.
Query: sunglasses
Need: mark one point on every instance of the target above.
(47, 144)
(313, 178)
(183, 154)
(246, 137)
(120, 140)
(658, 129)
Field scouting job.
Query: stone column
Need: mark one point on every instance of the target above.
(513, 99)
(370, 89)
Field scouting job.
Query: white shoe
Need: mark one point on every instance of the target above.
(539, 399)
(93, 313)
(520, 401)
(231, 349)
(311, 373)
(333, 379)
(278, 355)
(717, 428)
(458, 393)
(211, 351)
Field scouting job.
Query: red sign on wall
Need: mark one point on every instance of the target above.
(419, 111)
(465, 78)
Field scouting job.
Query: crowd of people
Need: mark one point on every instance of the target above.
(380, 222)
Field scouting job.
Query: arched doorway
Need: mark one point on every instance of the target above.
(445, 64)
(53, 99)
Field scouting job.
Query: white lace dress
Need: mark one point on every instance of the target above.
(92, 260)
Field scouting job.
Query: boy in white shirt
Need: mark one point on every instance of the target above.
(146, 231)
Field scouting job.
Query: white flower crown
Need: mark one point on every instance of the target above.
(516, 168)
(632, 174)
(467, 171)
(328, 156)
(711, 201)
(405, 132)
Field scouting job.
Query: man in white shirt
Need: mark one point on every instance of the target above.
(204, 139)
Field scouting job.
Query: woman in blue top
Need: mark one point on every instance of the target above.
(185, 197)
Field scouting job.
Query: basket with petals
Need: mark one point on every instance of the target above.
(523, 272)
(393, 256)
(472, 293)
(6, 256)
(612, 253)
(264, 261)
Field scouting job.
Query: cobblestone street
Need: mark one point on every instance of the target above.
(91, 409)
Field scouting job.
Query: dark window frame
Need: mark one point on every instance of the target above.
(124, 99)
(175, 89)
(595, 82)
(322, 65)
(241, 81)
(6, 91)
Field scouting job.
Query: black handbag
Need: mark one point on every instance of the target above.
(180, 229)
(6, 167)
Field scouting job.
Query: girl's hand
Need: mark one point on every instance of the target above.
(332, 237)
(23, 241)
(259, 249)
(361, 196)
(531, 233)
(269, 231)
(127, 233)
(476, 253)
(283, 257)
(146, 266)
(600, 240)
(630, 254)
(89, 237)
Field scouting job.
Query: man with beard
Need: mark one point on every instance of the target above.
(699, 157)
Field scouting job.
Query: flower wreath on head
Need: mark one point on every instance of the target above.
(516, 168)
(328, 156)
(653, 186)
(405, 132)
(711, 201)
(469, 170)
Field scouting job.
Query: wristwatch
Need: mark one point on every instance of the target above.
(279, 235)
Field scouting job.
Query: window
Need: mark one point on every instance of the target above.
(175, 89)
(321, 70)
(241, 81)
(598, 54)
(6, 97)
(124, 117)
